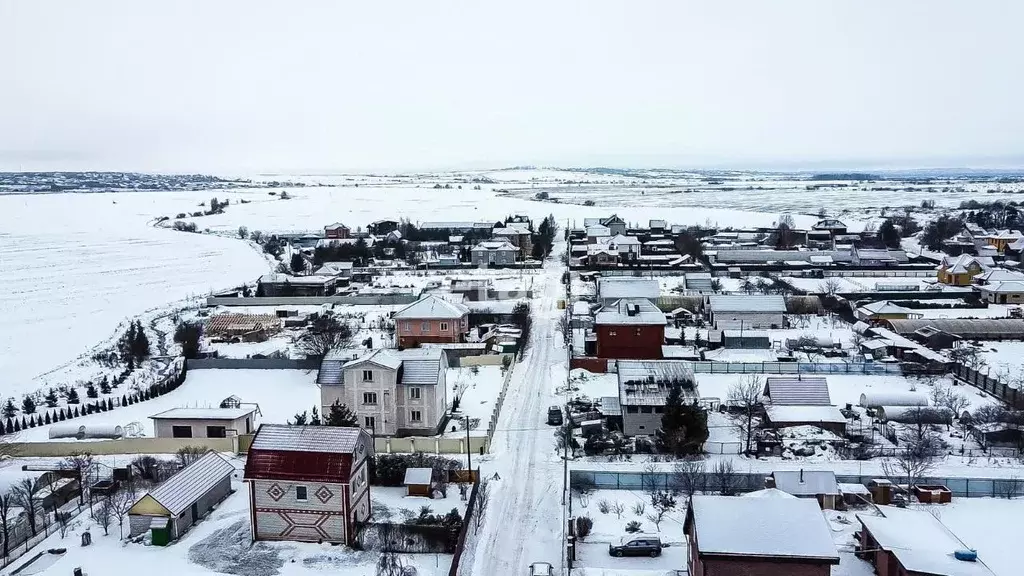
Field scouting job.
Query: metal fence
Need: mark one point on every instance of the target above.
(993, 386)
(723, 447)
(750, 481)
(795, 368)
(365, 300)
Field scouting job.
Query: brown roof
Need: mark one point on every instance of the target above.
(242, 322)
(303, 453)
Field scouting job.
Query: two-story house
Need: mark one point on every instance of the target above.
(959, 270)
(391, 392)
(308, 483)
(431, 319)
(337, 231)
(494, 253)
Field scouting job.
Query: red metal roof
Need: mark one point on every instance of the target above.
(298, 466)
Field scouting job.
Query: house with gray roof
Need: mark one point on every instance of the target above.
(182, 500)
(818, 484)
(391, 392)
(744, 312)
(494, 253)
(644, 386)
(613, 288)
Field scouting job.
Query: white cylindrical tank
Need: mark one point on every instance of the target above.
(874, 399)
(82, 431)
(915, 414)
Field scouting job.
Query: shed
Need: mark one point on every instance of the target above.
(417, 481)
(746, 312)
(874, 399)
(818, 484)
(174, 506)
(825, 417)
(855, 493)
(748, 339)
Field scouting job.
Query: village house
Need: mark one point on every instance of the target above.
(875, 257)
(758, 537)
(205, 422)
(818, 484)
(628, 247)
(630, 328)
(598, 234)
(493, 253)
(830, 225)
(391, 392)
(801, 401)
(744, 312)
(644, 386)
(276, 284)
(657, 226)
(182, 500)
(1009, 292)
(308, 483)
(996, 275)
(884, 310)
(340, 270)
(958, 270)
(431, 319)
(382, 227)
(601, 255)
(518, 236)
(248, 327)
(1002, 238)
(337, 231)
(907, 542)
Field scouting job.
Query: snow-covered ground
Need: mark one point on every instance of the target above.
(1004, 357)
(279, 393)
(390, 504)
(481, 387)
(219, 544)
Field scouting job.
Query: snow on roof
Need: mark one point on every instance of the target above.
(203, 413)
(622, 239)
(1004, 287)
(598, 231)
(998, 275)
(920, 542)
(432, 307)
(969, 328)
(492, 306)
(793, 528)
(418, 476)
(630, 311)
(736, 333)
(961, 264)
(875, 398)
(493, 245)
(797, 391)
(385, 358)
(806, 482)
(191, 483)
(328, 439)
(820, 259)
(581, 308)
(277, 278)
(905, 343)
(845, 488)
(610, 406)
(625, 287)
(743, 303)
(648, 382)
(799, 414)
(885, 307)
(335, 226)
(510, 231)
(769, 493)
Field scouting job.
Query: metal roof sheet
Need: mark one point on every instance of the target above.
(191, 483)
(627, 287)
(804, 414)
(806, 482)
(432, 307)
(418, 476)
(326, 439)
(630, 311)
(648, 382)
(798, 391)
(743, 303)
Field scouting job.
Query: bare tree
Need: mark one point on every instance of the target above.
(921, 448)
(26, 496)
(6, 522)
(689, 476)
(121, 502)
(326, 333)
(618, 508)
(189, 454)
(745, 396)
(565, 327)
(104, 514)
(482, 493)
(81, 463)
(787, 220)
(390, 563)
(725, 475)
(649, 479)
(968, 356)
(830, 285)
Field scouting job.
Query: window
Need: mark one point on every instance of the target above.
(300, 493)
(444, 326)
(645, 409)
(637, 331)
(633, 409)
(415, 416)
(414, 393)
(407, 326)
(181, 431)
(216, 432)
(367, 375)
(370, 422)
(425, 326)
(611, 332)
(369, 397)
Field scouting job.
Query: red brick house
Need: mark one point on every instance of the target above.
(630, 328)
(337, 231)
(746, 536)
(431, 319)
(308, 483)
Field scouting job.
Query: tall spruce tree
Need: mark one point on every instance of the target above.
(684, 427)
(340, 415)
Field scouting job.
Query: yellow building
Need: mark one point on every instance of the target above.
(999, 240)
(958, 270)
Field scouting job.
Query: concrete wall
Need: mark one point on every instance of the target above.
(430, 445)
(634, 424)
(367, 300)
(253, 364)
(164, 428)
(122, 446)
(485, 359)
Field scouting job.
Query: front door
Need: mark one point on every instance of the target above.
(195, 512)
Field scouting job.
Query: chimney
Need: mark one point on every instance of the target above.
(769, 481)
(801, 475)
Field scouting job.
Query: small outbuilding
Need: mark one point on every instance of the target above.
(181, 501)
(818, 484)
(797, 391)
(221, 422)
(825, 417)
(418, 481)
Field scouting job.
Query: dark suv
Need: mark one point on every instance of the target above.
(637, 545)
(555, 416)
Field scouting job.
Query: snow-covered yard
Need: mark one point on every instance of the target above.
(279, 393)
(480, 386)
(390, 504)
(219, 544)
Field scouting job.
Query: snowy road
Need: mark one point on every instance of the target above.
(523, 521)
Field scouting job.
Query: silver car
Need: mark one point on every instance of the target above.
(541, 569)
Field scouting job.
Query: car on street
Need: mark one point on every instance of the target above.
(555, 415)
(541, 569)
(637, 545)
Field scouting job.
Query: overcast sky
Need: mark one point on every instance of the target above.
(295, 86)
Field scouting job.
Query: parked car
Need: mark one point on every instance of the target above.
(555, 416)
(637, 545)
(541, 569)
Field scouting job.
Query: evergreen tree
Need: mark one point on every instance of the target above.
(28, 405)
(684, 427)
(61, 416)
(24, 423)
(104, 386)
(17, 426)
(10, 427)
(124, 400)
(90, 390)
(340, 415)
(10, 409)
(298, 264)
(51, 398)
(314, 418)
(110, 404)
(300, 419)
(47, 419)
(77, 413)
(140, 344)
(888, 234)
(73, 396)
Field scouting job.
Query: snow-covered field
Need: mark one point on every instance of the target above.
(219, 544)
(279, 393)
(1004, 357)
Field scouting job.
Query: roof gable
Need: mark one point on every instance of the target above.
(188, 485)
(432, 307)
(798, 391)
